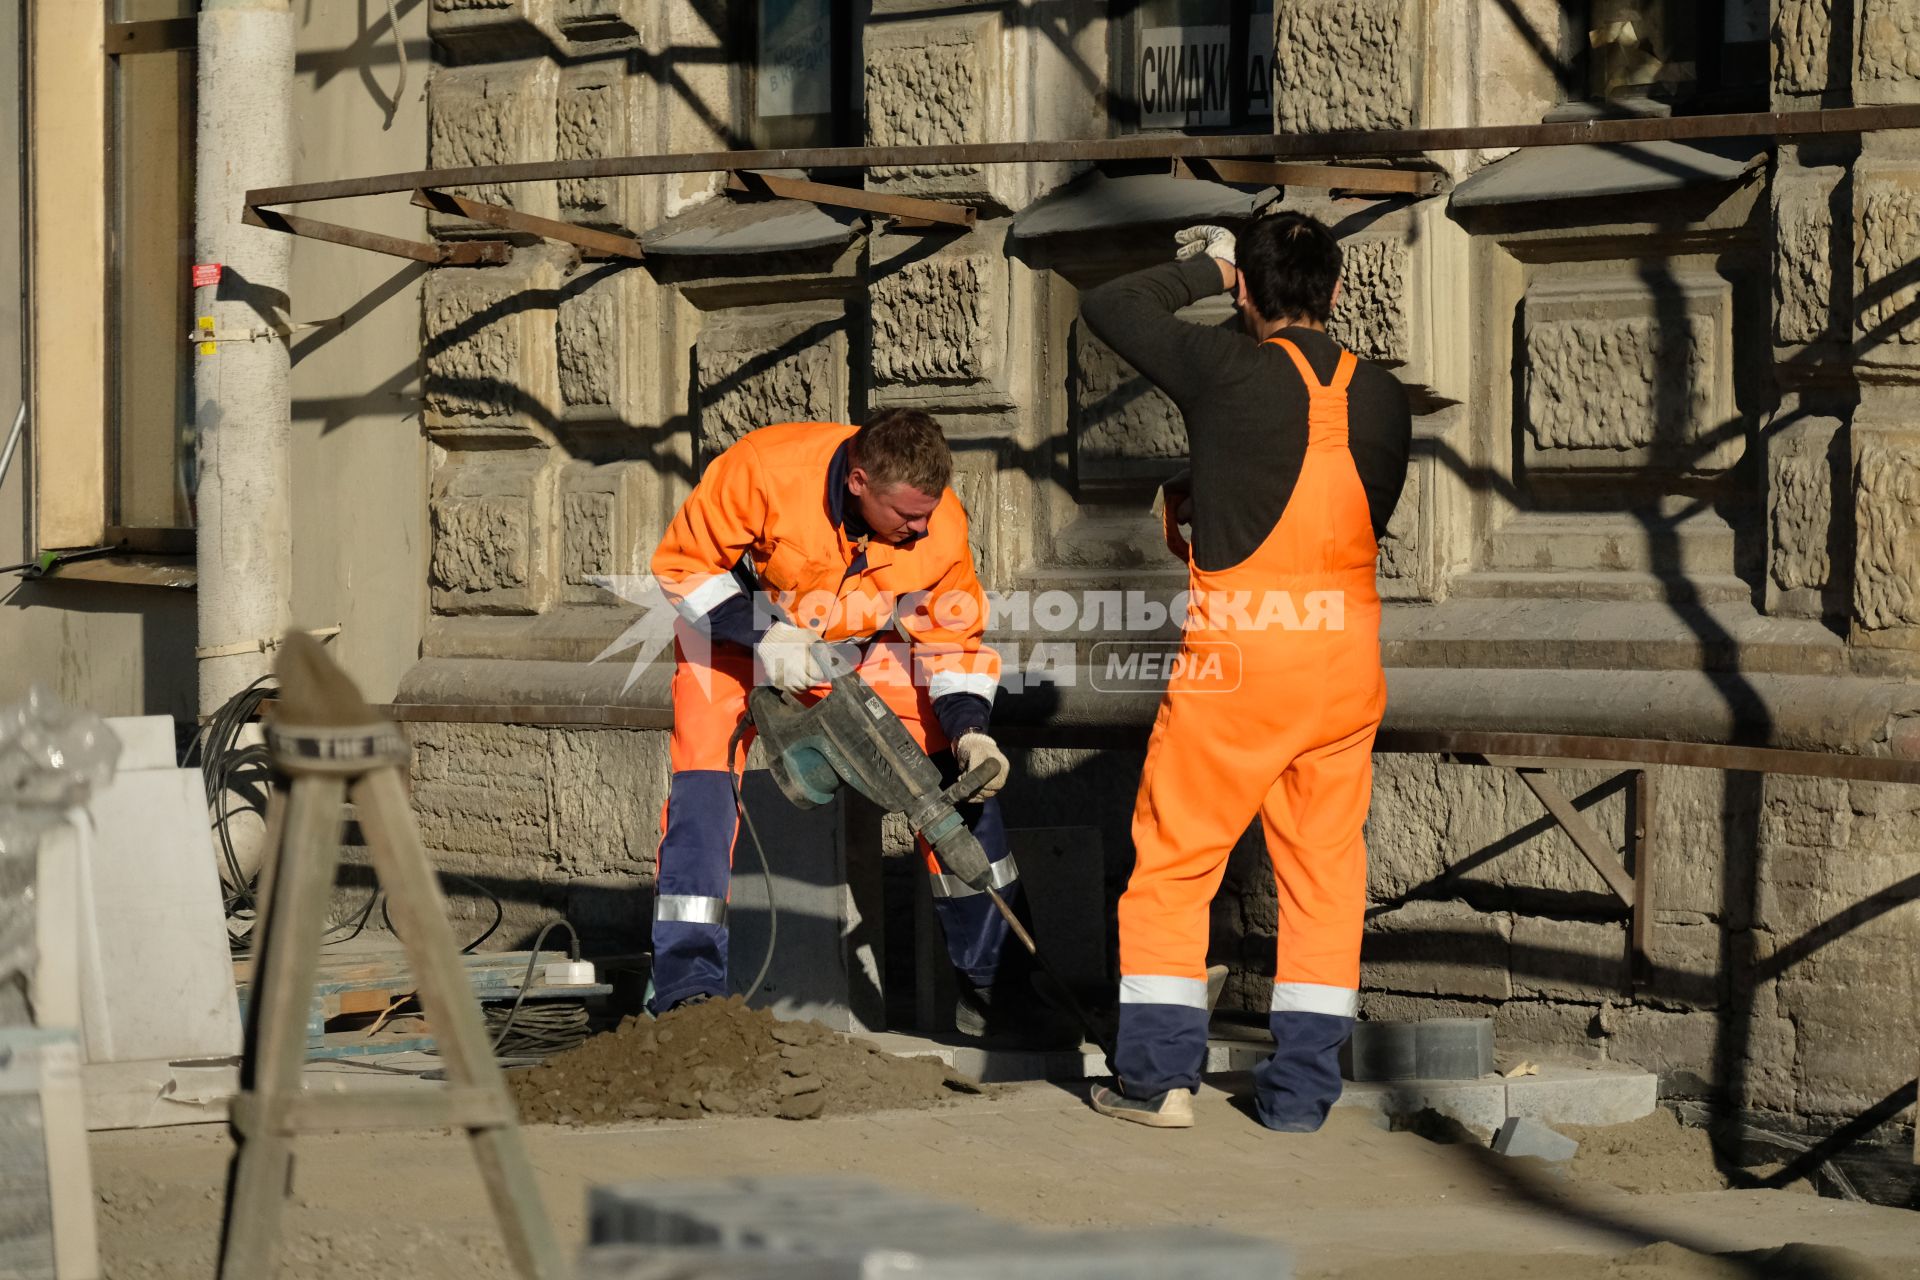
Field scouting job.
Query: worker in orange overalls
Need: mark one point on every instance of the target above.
(815, 532)
(1298, 455)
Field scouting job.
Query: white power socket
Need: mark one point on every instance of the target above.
(570, 973)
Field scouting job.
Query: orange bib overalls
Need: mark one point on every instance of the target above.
(1272, 713)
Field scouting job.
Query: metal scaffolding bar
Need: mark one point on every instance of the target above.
(1257, 146)
(494, 215)
(905, 207)
(1329, 177)
(465, 254)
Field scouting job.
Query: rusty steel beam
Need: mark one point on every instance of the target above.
(918, 212)
(464, 254)
(161, 35)
(609, 717)
(1513, 750)
(1649, 751)
(493, 215)
(1330, 177)
(1251, 146)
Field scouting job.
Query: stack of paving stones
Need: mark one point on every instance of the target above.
(823, 1228)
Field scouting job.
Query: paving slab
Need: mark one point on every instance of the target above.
(1562, 1093)
(1350, 1199)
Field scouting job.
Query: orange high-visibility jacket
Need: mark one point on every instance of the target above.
(774, 506)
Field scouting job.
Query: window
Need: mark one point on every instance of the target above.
(1194, 65)
(803, 86)
(1705, 54)
(150, 228)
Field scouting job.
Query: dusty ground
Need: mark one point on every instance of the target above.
(1350, 1201)
(722, 1058)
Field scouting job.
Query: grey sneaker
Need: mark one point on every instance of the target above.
(1170, 1110)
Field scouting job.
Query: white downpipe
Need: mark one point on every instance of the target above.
(243, 139)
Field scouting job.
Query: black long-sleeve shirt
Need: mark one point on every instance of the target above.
(1245, 406)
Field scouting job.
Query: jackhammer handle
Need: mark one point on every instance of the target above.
(971, 781)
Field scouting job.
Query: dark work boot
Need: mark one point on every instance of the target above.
(1015, 1013)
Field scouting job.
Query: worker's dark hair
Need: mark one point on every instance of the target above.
(903, 446)
(1291, 263)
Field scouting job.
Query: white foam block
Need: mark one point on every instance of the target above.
(159, 973)
(146, 742)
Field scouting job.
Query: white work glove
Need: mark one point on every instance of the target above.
(786, 655)
(1215, 242)
(975, 748)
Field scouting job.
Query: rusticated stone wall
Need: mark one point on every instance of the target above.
(1663, 434)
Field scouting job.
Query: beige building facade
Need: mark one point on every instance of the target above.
(1663, 486)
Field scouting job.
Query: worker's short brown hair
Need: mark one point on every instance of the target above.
(903, 446)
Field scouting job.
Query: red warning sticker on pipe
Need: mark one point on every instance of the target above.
(205, 273)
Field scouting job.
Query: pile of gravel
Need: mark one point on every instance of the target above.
(722, 1058)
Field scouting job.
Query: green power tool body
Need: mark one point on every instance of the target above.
(852, 736)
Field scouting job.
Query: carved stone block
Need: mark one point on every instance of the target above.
(1614, 383)
(1124, 428)
(1800, 529)
(602, 19)
(1886, 567)
(1802, 38)
(1345, 64)
(1371, 317)
(596, 116)
(1803, 256)
(600, 528)
(489, 356)
(1887, 294)
(483, 27)
(493, 113)
(937, 82)
(492, 521)
(604, 330)
(755, 368)
(976, 482)
(1889, 45)
(1402, 557)
(935, 320)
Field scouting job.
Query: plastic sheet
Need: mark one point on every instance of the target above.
(51, 759)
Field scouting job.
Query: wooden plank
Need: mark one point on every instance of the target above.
(413, 893)
(276, 1049)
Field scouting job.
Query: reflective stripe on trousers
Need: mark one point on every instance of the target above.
(699, 825)
(1288, 745)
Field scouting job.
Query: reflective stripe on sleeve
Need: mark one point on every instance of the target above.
(1004, 874)
(690, 908)
(702, 600)
(974, 682)
(1312, 997)
(1152, 988)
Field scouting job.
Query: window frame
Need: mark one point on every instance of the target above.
(133, 335)
(845, 125)
(1123, 62)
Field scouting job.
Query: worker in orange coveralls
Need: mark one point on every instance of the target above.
(1299, 452)
(816, 532)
